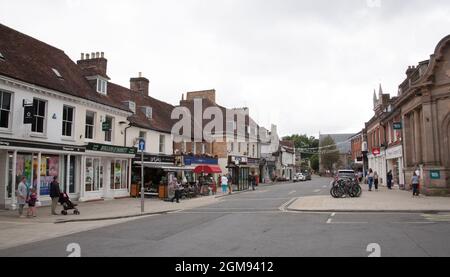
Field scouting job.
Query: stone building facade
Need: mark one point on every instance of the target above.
(424, 103)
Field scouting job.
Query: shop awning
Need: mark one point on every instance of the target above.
(165, 167)
(209, 169)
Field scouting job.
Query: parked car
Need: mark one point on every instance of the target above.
(307, 175)
(299, 177)
(345, 174)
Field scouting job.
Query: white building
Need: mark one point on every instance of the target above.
(76, 132)
(270, 144)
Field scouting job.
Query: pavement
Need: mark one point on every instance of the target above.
(383, 200)
(16, 231)
(251, 224)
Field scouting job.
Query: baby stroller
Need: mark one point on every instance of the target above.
(67, 204)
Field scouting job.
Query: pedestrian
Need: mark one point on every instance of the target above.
(32, 199)
(22, 195)
(55, 193)
(375, 180)
(224, 182)
(389, 179)
(415, 184)
(360, 176)
(370, 179)
(177, 191)
(252, 180)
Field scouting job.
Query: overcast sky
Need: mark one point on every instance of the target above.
(307, 66)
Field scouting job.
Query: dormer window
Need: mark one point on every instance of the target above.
(102, 86)
(57, 73)
(148, 111)
(131, 105)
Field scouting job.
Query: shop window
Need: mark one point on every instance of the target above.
(108, 133)
(119, 175)
(94, 175)
(38, 125)
(90, 125)
(5, 109)
(67, 123)
(49, 169)
(23, 168)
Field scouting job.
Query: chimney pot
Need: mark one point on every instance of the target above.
(87, 56)
(82, 56)
(102, 54)
(93, 55)
(97, 55)
(140, 74)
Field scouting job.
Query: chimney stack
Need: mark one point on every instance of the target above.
(139, 84)
(93, 64)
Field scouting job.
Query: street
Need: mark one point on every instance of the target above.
(256, 224)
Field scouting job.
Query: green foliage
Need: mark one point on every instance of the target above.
(315, 162)
(329, 153)
(304, 142)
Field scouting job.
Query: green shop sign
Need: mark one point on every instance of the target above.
(111, 149)
(435, 174)
(398, 126)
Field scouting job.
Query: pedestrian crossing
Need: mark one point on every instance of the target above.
(441, 217)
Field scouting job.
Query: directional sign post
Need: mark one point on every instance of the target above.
(142, 149)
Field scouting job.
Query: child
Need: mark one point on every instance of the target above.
(32, 203)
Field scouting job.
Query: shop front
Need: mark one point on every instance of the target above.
(39, 163)
(158, 171)
(106, 172)
(240, 171)
(394, 163)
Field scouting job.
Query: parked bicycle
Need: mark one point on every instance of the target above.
(346, 187)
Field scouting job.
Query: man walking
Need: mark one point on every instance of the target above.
(389, 179)
(55, 192)
(22, 195)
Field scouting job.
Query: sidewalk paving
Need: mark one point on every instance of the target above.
(15, 231)
(383, 200)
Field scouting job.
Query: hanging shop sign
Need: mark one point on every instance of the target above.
(376, 151)
(398, 126)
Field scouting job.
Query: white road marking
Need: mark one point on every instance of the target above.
(292, 192)
(350, 223)
(317, 190)
(333, 214)
(329, 221)
(324, 187)
(284, 206)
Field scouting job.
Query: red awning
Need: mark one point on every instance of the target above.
(207, 169)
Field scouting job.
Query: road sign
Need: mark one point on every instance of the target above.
(141, 145)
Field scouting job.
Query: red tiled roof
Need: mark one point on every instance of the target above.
(161, 112)
(30, 60)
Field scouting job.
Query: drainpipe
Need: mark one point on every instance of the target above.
(125, 134)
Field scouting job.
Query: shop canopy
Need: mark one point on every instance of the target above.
(209, 169)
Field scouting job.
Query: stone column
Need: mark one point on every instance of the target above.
(417, 137)
(68, 174)
(14, 181)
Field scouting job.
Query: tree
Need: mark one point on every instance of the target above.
(308, 145)
(315, 162)
(329, 153)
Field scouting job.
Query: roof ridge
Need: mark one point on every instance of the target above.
(33, 38)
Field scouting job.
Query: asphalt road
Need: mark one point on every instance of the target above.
(253, 224)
